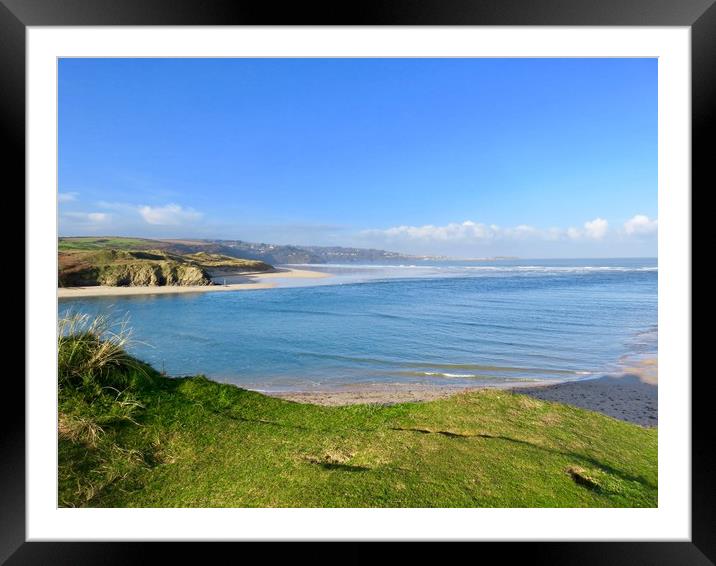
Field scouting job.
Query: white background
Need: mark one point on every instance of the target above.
(670, 521)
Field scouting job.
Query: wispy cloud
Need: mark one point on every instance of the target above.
(169, 215)
(135, 219)
(67, 197)
(165, 215)
(467, 230)
(88, 217)
(118, 206)
(574, 233)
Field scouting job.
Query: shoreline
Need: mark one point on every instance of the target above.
(381, 393)
(254, 280)
(631, 396)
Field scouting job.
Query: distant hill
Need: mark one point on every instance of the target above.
(274, 253)
(269, 253)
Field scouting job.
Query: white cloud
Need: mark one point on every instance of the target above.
(596, 229)
(67, 197)
(476, 232)
(593, 229)
(470, 231)
(168, 215)
(640, 224)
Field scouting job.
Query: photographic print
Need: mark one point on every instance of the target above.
(357, 282)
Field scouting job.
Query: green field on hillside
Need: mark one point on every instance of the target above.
(91, 243)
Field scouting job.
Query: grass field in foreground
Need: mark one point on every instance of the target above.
(130, 437)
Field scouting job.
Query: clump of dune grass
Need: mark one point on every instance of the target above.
(98, 394)
(79, 429)
(93, 350)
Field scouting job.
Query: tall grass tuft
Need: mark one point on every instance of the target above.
(99, 387)
(92, 351)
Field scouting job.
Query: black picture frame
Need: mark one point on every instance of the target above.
(699, 15)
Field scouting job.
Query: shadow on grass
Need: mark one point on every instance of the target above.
(573, 455)
(341, 467)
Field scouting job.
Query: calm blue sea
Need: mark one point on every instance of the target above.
(457, 323)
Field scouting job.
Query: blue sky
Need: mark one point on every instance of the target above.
(461, 157)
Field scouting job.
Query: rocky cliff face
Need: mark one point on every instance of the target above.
(152, 274)
(140, 268)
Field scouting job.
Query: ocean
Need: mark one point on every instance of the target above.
(457, 323)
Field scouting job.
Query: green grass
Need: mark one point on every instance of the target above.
(152, 441)
(92, 243)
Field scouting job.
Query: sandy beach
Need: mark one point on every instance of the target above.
(373, 393)
(630, 396)
(250, 281)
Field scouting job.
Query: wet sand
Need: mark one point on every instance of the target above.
(630, 396)
(249, 281)
(372, 393)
